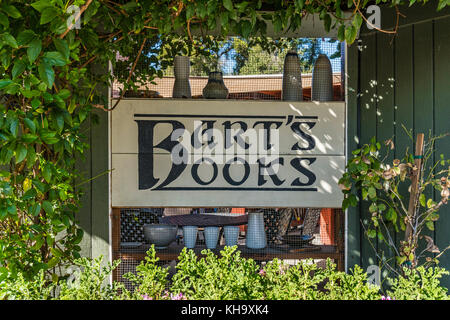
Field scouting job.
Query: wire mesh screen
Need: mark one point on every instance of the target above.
(291, 234)
(245, 69)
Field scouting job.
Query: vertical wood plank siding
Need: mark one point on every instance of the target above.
(401, 80)
(442, 122)
(93, 215)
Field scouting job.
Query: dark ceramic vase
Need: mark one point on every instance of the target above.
(215, 88)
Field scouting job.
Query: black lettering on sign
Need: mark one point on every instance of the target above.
(226, 171)
(267, 126)
(296, 127)
(237, 137)
(194, 171)
(180, 154)
(196, 139)
(146, 130)
(263, 168)
(297, 164)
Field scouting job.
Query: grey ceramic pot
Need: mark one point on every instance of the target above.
(161, 235)
(292, 78)
(322, 80)
(181, 86)
(215, 88)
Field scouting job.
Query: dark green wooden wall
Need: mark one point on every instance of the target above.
(94, 212)
(394, 80)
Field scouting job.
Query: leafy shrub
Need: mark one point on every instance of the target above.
(353, 286)
(150, 279)
(227, 276)
(419, 284)
(19, 288)
(216, 278)
(90, 283)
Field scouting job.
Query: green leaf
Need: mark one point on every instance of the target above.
(327, 22)
(36, 209)
(59, 121)
(422, 200)
(46, 73)
(4, 20)
(12, 11)
(30, 194)
(54, 58)
(345, 204)
(353, 200)
(12, 209)
(10, 40)
(64, 94)
(3, 213)
(350, 34)
(47, 173)
(18, 68)
(364, 193)
(21, 153)
(371, 233)
(246, 28)
(47, 206)
(400, 260)
(372, 192)
(442, 4)
(300, 4)
(14, 127)
(228, 4)
(5, 82)
(41, 5)
(31, 156)
(357, 21)
(34, 49)
(62, 47)
(39, 185)
(53, 262)
(341, 37)
(29, 137)
(38, 244)
(25, 37)
(48, 14)
(430, 225)
(391, 215)
(30, 125)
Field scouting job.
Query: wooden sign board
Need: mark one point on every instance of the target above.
(226, 153)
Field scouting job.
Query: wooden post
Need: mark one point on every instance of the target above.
(414, 194)
(339, 237)
(115, 225)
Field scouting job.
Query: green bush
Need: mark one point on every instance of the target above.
(419, 284)
(227, 276)
(150, 279)
(19, 288)
(90, 282)
(216, 278)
